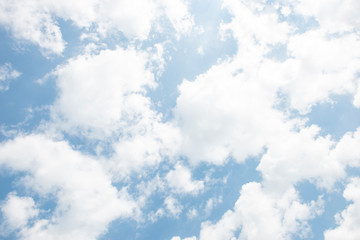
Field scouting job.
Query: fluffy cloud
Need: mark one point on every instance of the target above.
(298, 156)
(86, 201)
(314, 64)
(144, 148)
(99, 94)
(349, 219)
(7, 73)
(27, 21)
(305, 156)
(180, 181)
(35, 21)
(173, 206)
(211, 203)
(17, 211)
(178, 14)
(261, 215)
(334, 16)
(217, 119)
(249, 26)
(347, 151)
(321, 66)
(247, 105)
(103, 97)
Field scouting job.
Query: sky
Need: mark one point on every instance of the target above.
(179, 120)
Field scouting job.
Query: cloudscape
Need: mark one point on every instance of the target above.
(179, 119)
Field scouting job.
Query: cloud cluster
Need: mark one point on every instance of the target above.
(348, 220)
(86, 201)
(260, 215)
(36, 21)
(101, 93)
(252, 104)
(180, 181)
(17, 211)
(240, 108)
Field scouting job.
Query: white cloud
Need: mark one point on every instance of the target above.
(211, 203)
(348, 220)
(17, 211)
(315, 64)
(180, 181)
(305, 156)
(232, 110)
(35, 21)
(98, 94)
(214, 120)
(320, 66)
(179, 238)
(173, 206)
(299, 156)
(144, 147)
(102, 97)
(260, 215)
(28, 22)
(178, 14)
(332, 15)
(248, 26)
(7, 73)
(86, 201)
(133, 18)
(192, 213)
(347, 149)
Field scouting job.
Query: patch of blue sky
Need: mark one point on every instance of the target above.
(25, 96)
(301, 23)
(6, 183)
(192, 54)
(278, 52)
(336, 117)
(333, 202)
(223, 190)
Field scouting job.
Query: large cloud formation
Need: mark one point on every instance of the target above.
(106, 149)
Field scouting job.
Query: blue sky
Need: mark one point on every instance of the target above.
(179, 120)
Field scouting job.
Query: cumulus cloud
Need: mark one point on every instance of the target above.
(251, 104)
(173, 206)
(334, 16)
(217, 119)
(150, 143)
(103, 97)
(211, 203)
(321, 66)
(98, 94)
(17, 211)
(27, 21)
(7, 73)
(35, 21)
(300, 156)
(86, 201)
(180, 181)
(348, 220)
(347, 151)
(261, 215)
(306, 156)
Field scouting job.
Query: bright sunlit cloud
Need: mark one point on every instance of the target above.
(179, 120)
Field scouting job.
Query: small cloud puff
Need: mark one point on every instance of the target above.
(7, 73)
(180, 181)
